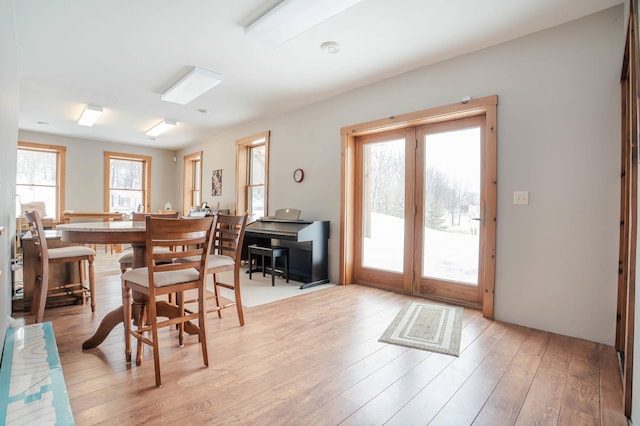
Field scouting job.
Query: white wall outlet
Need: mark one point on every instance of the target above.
(521, 197)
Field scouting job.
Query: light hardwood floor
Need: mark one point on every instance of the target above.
(315, 359)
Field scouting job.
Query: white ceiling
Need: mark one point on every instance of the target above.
(122, 54)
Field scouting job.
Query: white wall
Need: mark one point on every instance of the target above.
(558, 137)
(8, 137)
(85, 171)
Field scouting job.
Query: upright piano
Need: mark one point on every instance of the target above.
(308, 243)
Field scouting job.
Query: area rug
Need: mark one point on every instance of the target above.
(435, 328)
(256, 291)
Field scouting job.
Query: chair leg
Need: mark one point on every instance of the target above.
(82, 272)
(216, 294)
(151, 307)
(236, 289)
(41, 290)
(180, 325)
(251, 263)
(126, 304)
(202, 323)
(142, 322)
(40, 297)
(92, 285)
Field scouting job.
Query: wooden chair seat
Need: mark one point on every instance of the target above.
(70, 251)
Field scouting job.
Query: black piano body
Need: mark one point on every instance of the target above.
(308, 243)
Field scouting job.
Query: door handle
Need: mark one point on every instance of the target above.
(484, 215)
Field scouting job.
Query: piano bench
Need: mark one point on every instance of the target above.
(272, 253)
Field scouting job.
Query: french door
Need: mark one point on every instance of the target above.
(450, 211)
(385, 168)
(422, 197)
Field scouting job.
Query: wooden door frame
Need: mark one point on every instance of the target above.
(628, 208)
(348, 220)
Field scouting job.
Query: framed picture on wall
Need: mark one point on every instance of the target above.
(216, 183)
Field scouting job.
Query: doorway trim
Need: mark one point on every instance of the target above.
(625, 320)
(486, 106)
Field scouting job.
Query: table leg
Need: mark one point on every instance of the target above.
(116, 316)
(107, 324)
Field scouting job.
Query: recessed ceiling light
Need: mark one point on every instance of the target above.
(330, 47)
(202, 111)
(42, 123)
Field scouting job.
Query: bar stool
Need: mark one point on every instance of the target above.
(272, 253)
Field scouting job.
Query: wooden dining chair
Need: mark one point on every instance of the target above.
(49, 256)
(126, 260)
(161, 278)
(225, 256)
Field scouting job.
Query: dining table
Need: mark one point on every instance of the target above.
(120, 232)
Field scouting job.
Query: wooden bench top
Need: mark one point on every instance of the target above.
(32, 388)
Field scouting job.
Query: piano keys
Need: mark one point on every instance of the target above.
(308, 243)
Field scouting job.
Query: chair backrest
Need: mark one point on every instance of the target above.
(287, 214)
(37, 234)
(229, 235)
(140, 217)
(195, 235)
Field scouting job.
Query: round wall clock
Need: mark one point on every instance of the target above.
(298, 175)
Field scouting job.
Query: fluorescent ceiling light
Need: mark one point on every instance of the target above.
(160, 128)
(291, 18)
(192, 85)
(89, 115)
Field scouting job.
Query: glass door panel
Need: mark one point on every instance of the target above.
(382, 197)
(450, 210)
(383, 206)
(452, 205)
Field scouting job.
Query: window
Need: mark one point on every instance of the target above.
(40, 177)
(192, 181)
(127, 182)
(255, 188)
(253, 175)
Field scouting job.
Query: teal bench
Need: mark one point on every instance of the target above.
(32, 388)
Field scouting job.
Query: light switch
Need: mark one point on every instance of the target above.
(521, 197)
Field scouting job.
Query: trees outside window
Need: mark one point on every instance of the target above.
(40, 177)
(127, 182)
(252, 175)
